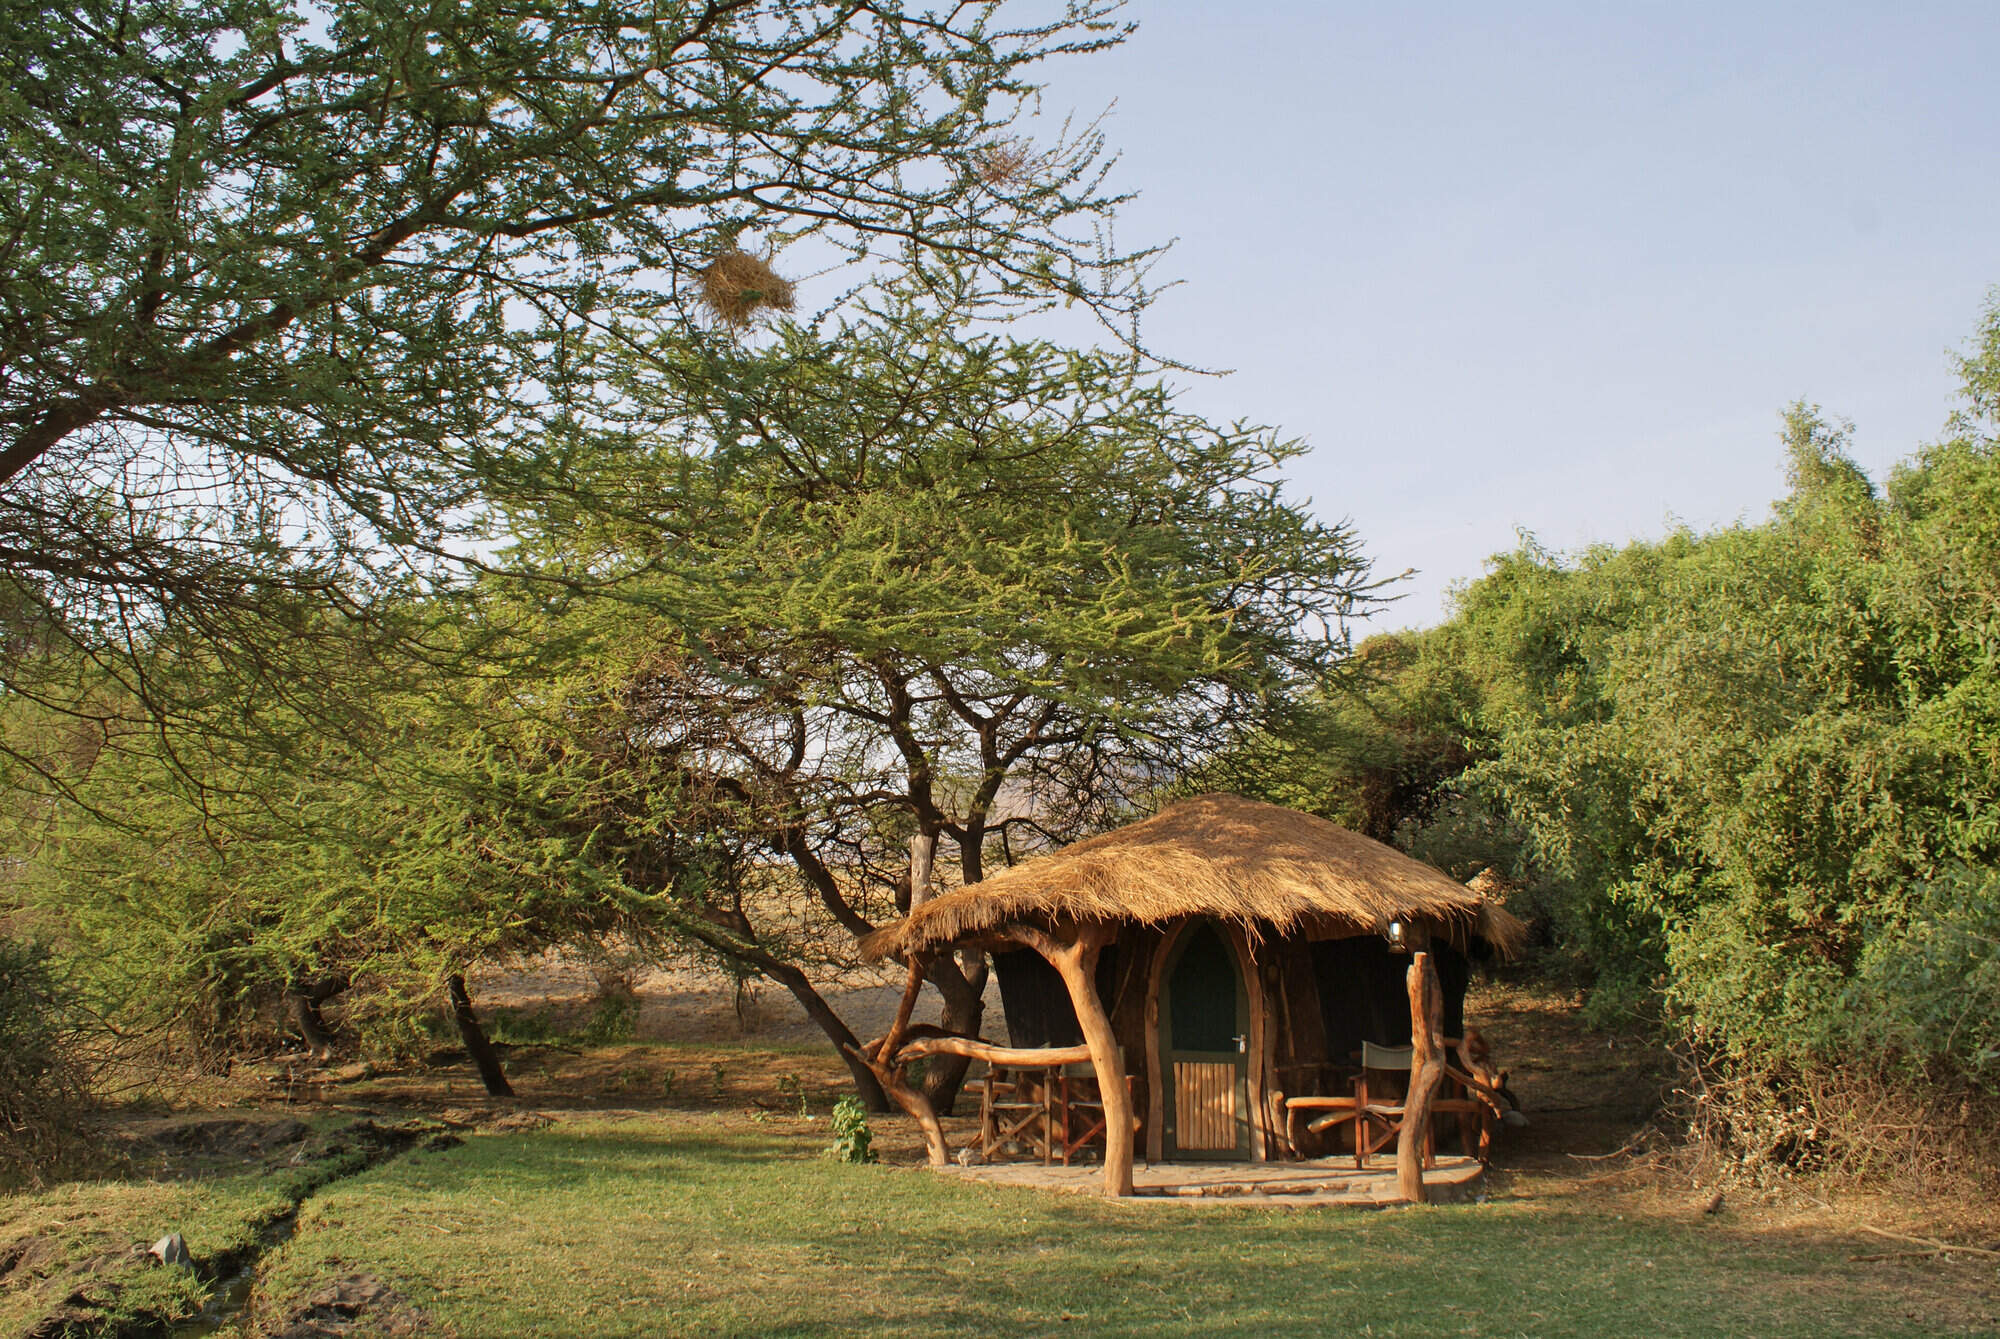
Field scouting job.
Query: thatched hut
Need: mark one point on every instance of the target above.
(1209, 960)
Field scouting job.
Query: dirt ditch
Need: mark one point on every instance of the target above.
(94, 1296)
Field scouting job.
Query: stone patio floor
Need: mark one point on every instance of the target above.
(1330, 1181)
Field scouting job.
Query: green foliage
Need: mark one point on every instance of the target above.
(182, 918)
(1748, 781)
(46, 1105)
(295, 291)
(1928, 986)
(852, 1139)
(614, 1018)
(521, 1027)
(1373, 753)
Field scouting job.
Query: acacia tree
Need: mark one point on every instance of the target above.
(806, 602)
(885, 581)
(290, 286)
(381, 875)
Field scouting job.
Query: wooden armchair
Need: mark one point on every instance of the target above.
(1018, 1107)
(1080, 1114)
(1374, 1110)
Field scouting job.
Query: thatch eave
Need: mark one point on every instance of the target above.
(1270, 870)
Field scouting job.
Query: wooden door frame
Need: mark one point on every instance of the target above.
(1250, 980)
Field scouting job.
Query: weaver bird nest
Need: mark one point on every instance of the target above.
(1002, 163)
(736, 286)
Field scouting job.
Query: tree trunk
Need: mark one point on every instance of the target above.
(845, 1044)
(1426, 1073)
(964, 1009)
(923, 848)
(303, 999)
(474, 1037)
(963, 992)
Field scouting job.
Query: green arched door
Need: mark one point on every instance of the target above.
(1204, 1049)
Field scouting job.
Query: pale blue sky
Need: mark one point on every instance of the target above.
(1558, 266)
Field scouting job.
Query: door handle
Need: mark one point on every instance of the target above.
(1242, 1044)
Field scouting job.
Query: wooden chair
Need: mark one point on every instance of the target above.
(1376, 1120)
(1017, 1106)
(1374, 1110)
(1079, 1114)
(1306, 1089)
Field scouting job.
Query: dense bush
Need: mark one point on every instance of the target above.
(45, 1098)
(1929, 984)
(1748, 781)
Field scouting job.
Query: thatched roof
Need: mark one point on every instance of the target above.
(1268, 868)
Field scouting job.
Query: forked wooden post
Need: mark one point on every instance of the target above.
(1076, 961)
(1426, 1073)
(886, 1060)
(914, 1103)
(904, 1009)
(1079, 973)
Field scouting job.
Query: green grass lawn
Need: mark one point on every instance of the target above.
(668, 1224)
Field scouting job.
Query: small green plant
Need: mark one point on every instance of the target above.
(852, 1139)
(615, 1019)
(667, 1082)
(717, 1077)
(792, 1090)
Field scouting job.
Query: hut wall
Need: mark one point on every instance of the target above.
(1037, 1004)
(1454, 971)
(1363, 994)
(1295, 994)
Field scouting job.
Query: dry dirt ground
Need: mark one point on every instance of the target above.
(1593, 1099)
(682, 1006)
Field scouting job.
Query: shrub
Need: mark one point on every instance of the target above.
(615, 1018)
(46, 1105)
(1927, 989)
(852, 1139)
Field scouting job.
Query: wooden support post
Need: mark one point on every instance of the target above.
(1075, 961)
(1156, 1083)
(1079, 972)
(1426, 1073)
